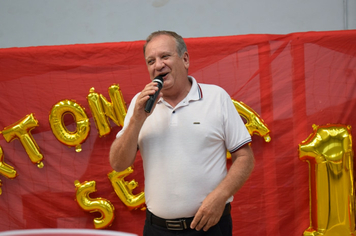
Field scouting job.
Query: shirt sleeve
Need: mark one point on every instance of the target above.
(128, 115)
(236, 133)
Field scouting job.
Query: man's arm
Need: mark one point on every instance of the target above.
(213, 205)
(123, 150)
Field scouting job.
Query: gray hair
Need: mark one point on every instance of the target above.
(181, 46)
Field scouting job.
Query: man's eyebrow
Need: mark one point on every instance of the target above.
(160, 54)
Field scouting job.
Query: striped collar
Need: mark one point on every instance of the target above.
(195, 92)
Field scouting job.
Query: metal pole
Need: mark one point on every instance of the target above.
(346, 23)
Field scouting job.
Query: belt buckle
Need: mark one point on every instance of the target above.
(176, 224)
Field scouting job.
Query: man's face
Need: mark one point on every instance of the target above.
(162, 59)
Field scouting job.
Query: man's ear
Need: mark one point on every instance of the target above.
(185, 58)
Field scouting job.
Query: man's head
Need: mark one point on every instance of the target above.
(181, 47)
(166, 55)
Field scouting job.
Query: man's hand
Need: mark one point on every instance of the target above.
(141, 101)
(209, 213)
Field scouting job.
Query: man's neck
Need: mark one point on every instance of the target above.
(175, 98)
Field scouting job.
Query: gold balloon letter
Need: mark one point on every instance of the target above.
(254, 125)
(5, 169)
(21, 130)
(124, 189)
(101, 109)
(59, 129)
(328, 151)
(94, 205)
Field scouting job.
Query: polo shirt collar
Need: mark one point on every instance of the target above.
(194, 94)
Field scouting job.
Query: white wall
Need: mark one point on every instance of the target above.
(58, 22)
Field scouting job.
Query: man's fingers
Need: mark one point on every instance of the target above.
(196, 220)
(209, 224)
(201, 223)
(205, 223)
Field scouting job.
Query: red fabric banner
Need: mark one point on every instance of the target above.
(292, 81)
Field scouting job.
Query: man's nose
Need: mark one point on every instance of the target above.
(159, 64)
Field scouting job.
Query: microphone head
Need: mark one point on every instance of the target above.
(158, 80)
(153, 97)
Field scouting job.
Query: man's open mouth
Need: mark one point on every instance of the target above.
(163, 75)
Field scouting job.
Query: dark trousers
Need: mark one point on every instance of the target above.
(222, 228)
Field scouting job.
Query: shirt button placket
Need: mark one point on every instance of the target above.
(174, 121)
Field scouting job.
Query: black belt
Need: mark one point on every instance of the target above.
(178, 224)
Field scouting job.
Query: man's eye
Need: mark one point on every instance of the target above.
(150, 62)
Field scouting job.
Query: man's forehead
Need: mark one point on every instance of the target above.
(161, 43)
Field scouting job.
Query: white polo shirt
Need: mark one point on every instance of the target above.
(184, 149)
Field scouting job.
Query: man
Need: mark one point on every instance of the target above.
(183, 143)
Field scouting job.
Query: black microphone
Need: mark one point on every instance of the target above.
(152, 99)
